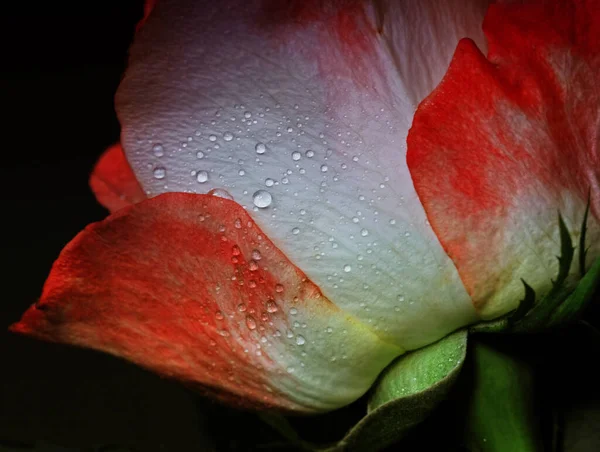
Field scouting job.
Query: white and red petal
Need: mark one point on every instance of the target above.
(311, 102)
(506, 143)
(113, 181)
(188, 286)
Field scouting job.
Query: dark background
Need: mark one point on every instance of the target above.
(59, 69)
(60, 66)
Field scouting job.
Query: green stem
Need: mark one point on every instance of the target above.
(500, 413)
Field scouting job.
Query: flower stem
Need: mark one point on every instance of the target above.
(500, 413)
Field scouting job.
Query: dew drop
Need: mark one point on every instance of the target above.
(260, 148)
(279, 288)
(220, 193)
(159, 172)
(364, 232)
(219, 315)
(293, 311)
(241, 307)
(269, 182)
(158, 150)
(252, 266)
(310, 153)
(250, 322)
(324, 168)
(256, 255)
(228, 136)
(262, 199)
(300, 340)
(212, 138)
(296, 231)
(202, 176)
(271, 307)
(347, 268)
(296, 156)
(200, 154)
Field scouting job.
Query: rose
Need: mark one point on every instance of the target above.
(337, 250)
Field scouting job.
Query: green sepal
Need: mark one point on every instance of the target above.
(582, 249)
(407, 391)
(562, 303)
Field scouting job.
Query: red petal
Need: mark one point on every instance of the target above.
(188, 286)
(504, 143)
(148, 7)
(113, 181)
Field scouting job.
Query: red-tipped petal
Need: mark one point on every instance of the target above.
(113, 181)
(148, 7)
(505, 143)
(188, 286)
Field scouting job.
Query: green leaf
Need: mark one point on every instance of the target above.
(500, 415)
(405, 394)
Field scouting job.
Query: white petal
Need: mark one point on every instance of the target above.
(301, 114)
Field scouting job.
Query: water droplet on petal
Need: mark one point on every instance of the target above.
(293, 311)
(296, 231)
(202, 176)
(158, 150)
(260, 148)
(279, 288)
(250, 322)
(212, 137)
(300, 340)
(324, 168)
(220, 193)
(159, 172)
(228, 136)
(364, 232)
(310, 153)
(347, 268)
(241, 307)
(271, 306)
(256, 255)
(200, 154)
(262, 199)
(296, 156)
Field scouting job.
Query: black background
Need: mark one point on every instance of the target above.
(60, 67)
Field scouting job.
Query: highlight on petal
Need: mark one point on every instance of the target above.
(113, 181)
(189, 287)
(300, 111)
(506, 143)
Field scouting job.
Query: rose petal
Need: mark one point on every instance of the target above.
(113, 181)
(189, 287)
(309, 101)
(505, 143)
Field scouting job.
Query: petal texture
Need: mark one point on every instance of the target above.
(113, 181)
(300, 110)
(188, 286)
(505, 143)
